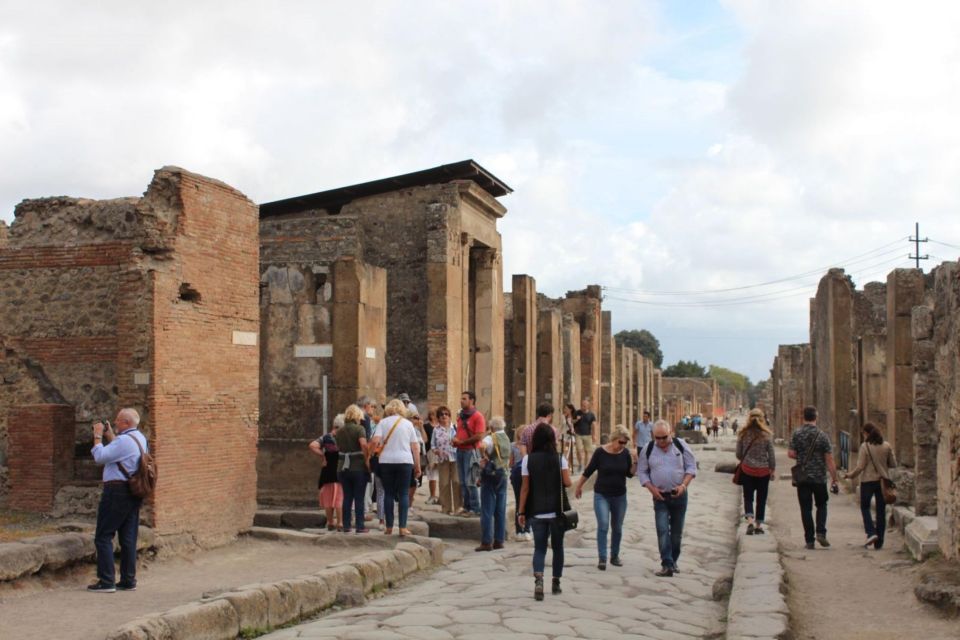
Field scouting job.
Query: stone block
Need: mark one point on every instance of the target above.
(921, 537)
(921, 325)
(215, 620)
(303, 519)
(268, 518)
(418, 528)
(19, 559)
(282, 604)
(390, 565)
(371, 574)
(151, 627)
(725, 467)
(902, 516)
(312, 593)
(408, 562)
(443, 526)
(435, 546)
(772, 626)
(146, 538)
(282, 535)
(251, 607)
(342, 579)
(422, 554)
(64, 549)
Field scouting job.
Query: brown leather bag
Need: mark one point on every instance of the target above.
(144, 481)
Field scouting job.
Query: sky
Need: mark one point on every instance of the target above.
(676, 153)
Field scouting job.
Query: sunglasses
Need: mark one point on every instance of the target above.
(444, 413)
(661, 437)
(623, 442)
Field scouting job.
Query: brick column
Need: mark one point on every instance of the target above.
(40, 450)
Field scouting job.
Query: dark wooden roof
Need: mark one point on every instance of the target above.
(334, 199)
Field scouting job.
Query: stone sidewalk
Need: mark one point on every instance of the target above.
(490, 595)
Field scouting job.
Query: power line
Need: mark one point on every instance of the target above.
(916, 242)
(868, 255)
(945, 244)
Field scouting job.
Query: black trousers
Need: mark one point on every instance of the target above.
(808, 494)
(118, 514)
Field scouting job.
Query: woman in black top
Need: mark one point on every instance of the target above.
(614, 462)
(543, 470)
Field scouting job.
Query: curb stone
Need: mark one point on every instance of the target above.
(757, 608)
(262, 606)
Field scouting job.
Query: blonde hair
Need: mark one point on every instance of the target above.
(353, 413)
(620, 432)
(395, 408)
(755, 423)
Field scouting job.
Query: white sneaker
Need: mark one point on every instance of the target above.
(870, 540)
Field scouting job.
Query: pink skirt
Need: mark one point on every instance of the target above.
(331, 496)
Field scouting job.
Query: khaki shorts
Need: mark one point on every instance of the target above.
(585, 443)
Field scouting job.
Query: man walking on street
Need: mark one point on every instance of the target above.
(643, 432)
(119, 510)
(666, 467)
(471, 428)
(811, 448)
(587, 429)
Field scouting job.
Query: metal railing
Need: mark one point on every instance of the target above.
(843, 459)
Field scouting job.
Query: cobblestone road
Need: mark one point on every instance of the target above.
(482, 596)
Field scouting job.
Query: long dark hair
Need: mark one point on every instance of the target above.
(543, 439)
(874, 435)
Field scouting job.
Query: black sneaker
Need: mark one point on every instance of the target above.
(602, 565)
(100, 587)
(616, 561)
(122, 586)
(665, 572)
(810, 545)
(822, 539)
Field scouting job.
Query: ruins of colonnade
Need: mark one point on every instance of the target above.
(886, 354)
(240, 331)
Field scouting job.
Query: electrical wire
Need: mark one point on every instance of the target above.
(945, 244)
(868, 255)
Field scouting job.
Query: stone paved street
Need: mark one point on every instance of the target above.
(490, 595)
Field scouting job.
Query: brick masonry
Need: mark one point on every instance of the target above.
(40, 450)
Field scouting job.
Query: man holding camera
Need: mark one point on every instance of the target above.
(666, 467)
(119, 510)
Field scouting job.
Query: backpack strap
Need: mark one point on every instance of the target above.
(676, 443)
(127, 474)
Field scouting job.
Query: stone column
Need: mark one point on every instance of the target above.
(608, 375)
(571, 360)
(924, 393)
(523, 351)
(550, 358)
(489, 332)
(904, 292)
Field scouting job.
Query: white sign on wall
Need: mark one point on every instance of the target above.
(371, 353)
(313, 351)
(245, 338)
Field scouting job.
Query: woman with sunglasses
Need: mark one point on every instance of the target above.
(446, 456)
(614, 462)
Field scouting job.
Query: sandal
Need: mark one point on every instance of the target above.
(388, 532)
(405, 532)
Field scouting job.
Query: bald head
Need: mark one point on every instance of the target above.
(128, 418)
(662, 433)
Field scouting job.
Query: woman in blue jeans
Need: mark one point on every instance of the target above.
(495, 449)
(543, 471)
(874, 461)
(614, 462)
(399, 446)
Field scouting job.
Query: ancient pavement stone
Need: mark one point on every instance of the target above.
(486, 596)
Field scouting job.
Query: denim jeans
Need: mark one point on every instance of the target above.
(354, 485)
(669, 514)
(807, 494)
(118, 513)
(543, 529)
(396, 488)
(610, 511)
(493, 514)
(468, 483)
(516, 480)
(759, 486)
(869, 491)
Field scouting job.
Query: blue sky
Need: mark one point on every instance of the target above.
(652, 146)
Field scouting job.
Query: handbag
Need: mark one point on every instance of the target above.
(568, 518)
(795, 469)
(887, 487)
(738, 471)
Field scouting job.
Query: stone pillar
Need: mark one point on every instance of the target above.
(623, 409)
(571, 360)
(833, 355)
(523, 351)
(904, 292)
(608, 375)
(657, 404)
(445, 331)
(924, 395)
(550, 358)
(488, 338)
(40, 446)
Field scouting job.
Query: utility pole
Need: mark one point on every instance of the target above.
(916, 240)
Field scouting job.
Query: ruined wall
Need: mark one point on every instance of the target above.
(608, 375)
(904, 291)
(791, 382)
(585, 307)
(572, 378)
(689, 396)
(870, 332)
(550, 375)
(41, 447)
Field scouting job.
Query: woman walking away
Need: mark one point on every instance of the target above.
(353, 467)
(516, 480)
(399, 446)
(446, 455)
(543, 471)
(495, 449)
(329, 491)
(874, 461)
(758, 465)
(614, 462)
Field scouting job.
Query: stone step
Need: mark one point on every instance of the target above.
(921, 537)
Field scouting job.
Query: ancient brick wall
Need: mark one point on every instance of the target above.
(41, 449)
(608, 375)
(833, 346)
(585, 307)
(521, 382)
(550, 357)
(791, 387)
(572, 378)
(904, 291)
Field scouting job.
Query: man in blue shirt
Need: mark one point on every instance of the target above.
(119, 510)
(666, 468)
(643, 432)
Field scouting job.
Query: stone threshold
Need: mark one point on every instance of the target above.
(256, 609)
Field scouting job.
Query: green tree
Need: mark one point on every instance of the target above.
(727, 378)
(644, 342)
(684, 369)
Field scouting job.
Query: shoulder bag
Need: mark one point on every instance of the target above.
(375, 456)
(738, 471)
(795, 469)
(567, 518)
(887, 487)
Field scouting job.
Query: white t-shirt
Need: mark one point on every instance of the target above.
(397, 450)
(524, 472)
